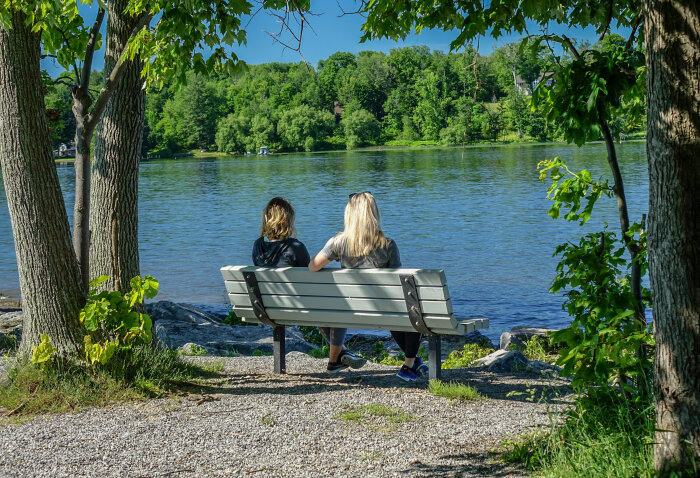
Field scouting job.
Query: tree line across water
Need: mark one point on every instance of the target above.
(409, 96)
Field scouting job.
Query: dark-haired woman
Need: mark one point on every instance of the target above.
(277, 247)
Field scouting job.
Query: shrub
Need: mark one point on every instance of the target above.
(111, 321)
(312, 335)
(320, 353)
(466, 357)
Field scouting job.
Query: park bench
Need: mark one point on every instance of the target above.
(407, 300)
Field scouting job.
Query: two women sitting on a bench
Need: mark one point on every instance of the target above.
(361, 245)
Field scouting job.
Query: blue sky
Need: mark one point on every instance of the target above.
(332, 32)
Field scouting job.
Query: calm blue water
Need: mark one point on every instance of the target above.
(483, 218)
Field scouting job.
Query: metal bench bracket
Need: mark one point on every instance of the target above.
(277, 330)
(415, 314)
(256, 298)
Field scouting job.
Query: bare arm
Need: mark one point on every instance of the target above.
(318, 262)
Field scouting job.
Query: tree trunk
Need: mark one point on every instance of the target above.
(114, 250)
(623, 213)
(48, 271)
(81, 209)
(672, 29)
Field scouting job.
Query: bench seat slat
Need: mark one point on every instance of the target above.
(339, 290)
(461, 329)
(342, 303)
(341, 318)
(428, 277)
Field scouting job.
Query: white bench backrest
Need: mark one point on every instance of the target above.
(359, 298)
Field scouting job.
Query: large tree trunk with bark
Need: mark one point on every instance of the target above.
(48, 271)
(672, 29)
(114, 215)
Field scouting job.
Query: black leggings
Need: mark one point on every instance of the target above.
(408, 341)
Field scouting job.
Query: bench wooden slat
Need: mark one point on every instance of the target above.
(340, 290)
(342, 318)
(342, 303)
(478, 323)
(428, 277)
(461, 329)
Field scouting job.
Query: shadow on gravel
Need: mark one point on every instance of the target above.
(464, 465)
(517, 388)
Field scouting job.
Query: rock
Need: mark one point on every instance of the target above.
(520, 334)
(504, 361)
(543, 367)
(191, 349)
(10, 328)
(179, 324)
(475, 337)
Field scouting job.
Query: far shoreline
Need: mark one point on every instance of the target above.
(217, 154)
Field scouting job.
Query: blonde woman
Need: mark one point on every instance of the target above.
(363, 245)
(277, 246)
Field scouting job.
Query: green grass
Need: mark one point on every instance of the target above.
(361, 413)
(215, 366)
(603, 435)
(260, 353)
(453, 390)
(148, 372)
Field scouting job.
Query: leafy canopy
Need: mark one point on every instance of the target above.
(174, 36)
(391, 19)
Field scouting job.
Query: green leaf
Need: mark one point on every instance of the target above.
(42, 353)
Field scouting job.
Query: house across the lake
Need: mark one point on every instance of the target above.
(66, 150)
(547, 77)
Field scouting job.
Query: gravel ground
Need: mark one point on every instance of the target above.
(252, 423)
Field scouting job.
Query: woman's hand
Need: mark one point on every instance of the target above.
(318, 262)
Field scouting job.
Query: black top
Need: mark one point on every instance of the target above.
(288, 253)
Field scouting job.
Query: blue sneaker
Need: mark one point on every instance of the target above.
(420, 367)
(406, 374)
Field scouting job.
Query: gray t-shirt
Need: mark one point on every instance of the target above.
(381, 257)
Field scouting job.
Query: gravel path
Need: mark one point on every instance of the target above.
(252, 423)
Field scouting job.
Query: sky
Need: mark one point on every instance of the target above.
(331, 32)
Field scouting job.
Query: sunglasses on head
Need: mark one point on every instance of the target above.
(352, 195)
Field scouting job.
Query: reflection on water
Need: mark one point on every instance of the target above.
(480, 214)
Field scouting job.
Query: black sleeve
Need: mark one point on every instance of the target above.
(394, 256)
(299, 255)
(257, 247)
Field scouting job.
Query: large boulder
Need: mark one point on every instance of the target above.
(178, 324)
(504, 361)
(520, 334)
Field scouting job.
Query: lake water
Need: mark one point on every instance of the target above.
(479, 213)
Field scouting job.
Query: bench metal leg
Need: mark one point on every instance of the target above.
(434, 357)
(279, 349)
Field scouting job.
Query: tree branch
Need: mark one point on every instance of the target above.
(571, 46)
(637, 22)
(70, 47)
(359, 11)
(607, 20)
(292, 9)
(90, 50)
(113, 80)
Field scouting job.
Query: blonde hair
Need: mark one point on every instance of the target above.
(278, 220)
(362, 233)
